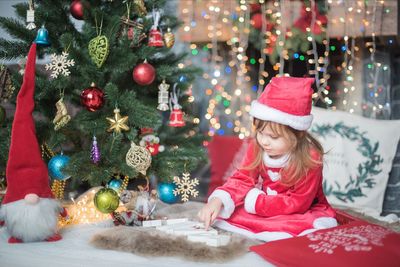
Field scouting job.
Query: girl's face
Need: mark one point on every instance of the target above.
(273, 144)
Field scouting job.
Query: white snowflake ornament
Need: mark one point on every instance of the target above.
(186, 187)
(60, 64)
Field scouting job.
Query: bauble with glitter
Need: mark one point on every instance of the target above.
(92, 98)
(56, 165)
(144, 73)
(106, 200)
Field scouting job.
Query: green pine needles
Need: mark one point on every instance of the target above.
(183, 146)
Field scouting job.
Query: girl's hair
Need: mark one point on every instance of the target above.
(301, 150)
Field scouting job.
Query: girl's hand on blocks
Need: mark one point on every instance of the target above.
(210, 211)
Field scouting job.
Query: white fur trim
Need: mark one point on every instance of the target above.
(29, 222)
(271, 192)
(275, 163)
(264, 236)
(321, 223)
(227, 201)
(263, 112)
(308, 231)
(250, 200)
(324, 222)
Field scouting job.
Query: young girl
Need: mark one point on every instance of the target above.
(277, 193)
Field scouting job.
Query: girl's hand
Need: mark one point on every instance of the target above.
(210, 211)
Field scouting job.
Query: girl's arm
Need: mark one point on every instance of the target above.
(233, 192)
(296, 200)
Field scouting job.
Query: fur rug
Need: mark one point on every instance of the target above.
(150, 242)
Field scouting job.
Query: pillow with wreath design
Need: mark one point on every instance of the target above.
(359, 155)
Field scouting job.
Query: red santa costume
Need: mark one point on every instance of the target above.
(29, 209)
(255, 202)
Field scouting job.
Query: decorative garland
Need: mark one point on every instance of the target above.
(365, 170)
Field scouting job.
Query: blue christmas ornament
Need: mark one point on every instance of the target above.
(182, 78)
(115, 184)
(166, 192)
(56, 164)
(42, 37)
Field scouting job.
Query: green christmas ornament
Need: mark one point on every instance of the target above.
(98, 50)
(2, 115)
(106, 200)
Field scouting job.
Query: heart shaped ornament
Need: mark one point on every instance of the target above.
(98, 50)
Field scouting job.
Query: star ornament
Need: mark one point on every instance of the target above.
(118, 123)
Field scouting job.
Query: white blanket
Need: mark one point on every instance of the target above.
(74, 250)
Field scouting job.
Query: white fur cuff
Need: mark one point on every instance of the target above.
(263, 112)
(228, 204)
(250, 200)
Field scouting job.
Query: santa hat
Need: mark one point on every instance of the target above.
(26, 171)
(285, 100)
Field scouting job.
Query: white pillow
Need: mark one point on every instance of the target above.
(358, 159)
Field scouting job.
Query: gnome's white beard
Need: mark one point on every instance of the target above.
(31, 222)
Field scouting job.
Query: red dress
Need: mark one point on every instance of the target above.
(258, 205)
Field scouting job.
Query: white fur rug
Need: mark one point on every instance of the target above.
(150, 242)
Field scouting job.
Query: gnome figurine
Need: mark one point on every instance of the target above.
(29, 209)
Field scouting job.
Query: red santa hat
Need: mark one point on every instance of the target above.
(285, 100)
(26, 171)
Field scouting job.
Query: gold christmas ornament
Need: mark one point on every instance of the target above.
(169, 38)
(62, 117)
(58, 189)
(138, 158)
(98, 50)
(6, 86)
(140, 8)
(118, 123)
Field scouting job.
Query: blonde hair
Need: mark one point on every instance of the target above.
(301, 159)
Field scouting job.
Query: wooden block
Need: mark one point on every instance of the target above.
(210, 240)
(176, 221)
(218, 241)
(152, 223)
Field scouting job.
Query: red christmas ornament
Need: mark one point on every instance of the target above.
(144, 73)
(92, 98)
(155, 38)
(255, 7)
(304, 21)
(176, 118)
(256, 21)
(76, 9)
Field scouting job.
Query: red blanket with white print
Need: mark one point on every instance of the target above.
(357, 243)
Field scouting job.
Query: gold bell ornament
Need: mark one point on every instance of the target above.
(169, 38)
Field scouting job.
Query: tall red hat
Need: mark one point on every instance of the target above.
(285, 100)
(26, 171)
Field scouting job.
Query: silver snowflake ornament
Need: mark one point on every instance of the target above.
(60, 64)
(186, 187)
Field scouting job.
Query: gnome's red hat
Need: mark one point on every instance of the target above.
(285, 100)
(26, 171)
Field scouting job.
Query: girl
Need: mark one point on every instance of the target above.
(277, 193)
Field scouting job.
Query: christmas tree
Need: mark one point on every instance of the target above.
(110, 89)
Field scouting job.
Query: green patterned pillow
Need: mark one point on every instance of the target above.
(358, 159)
